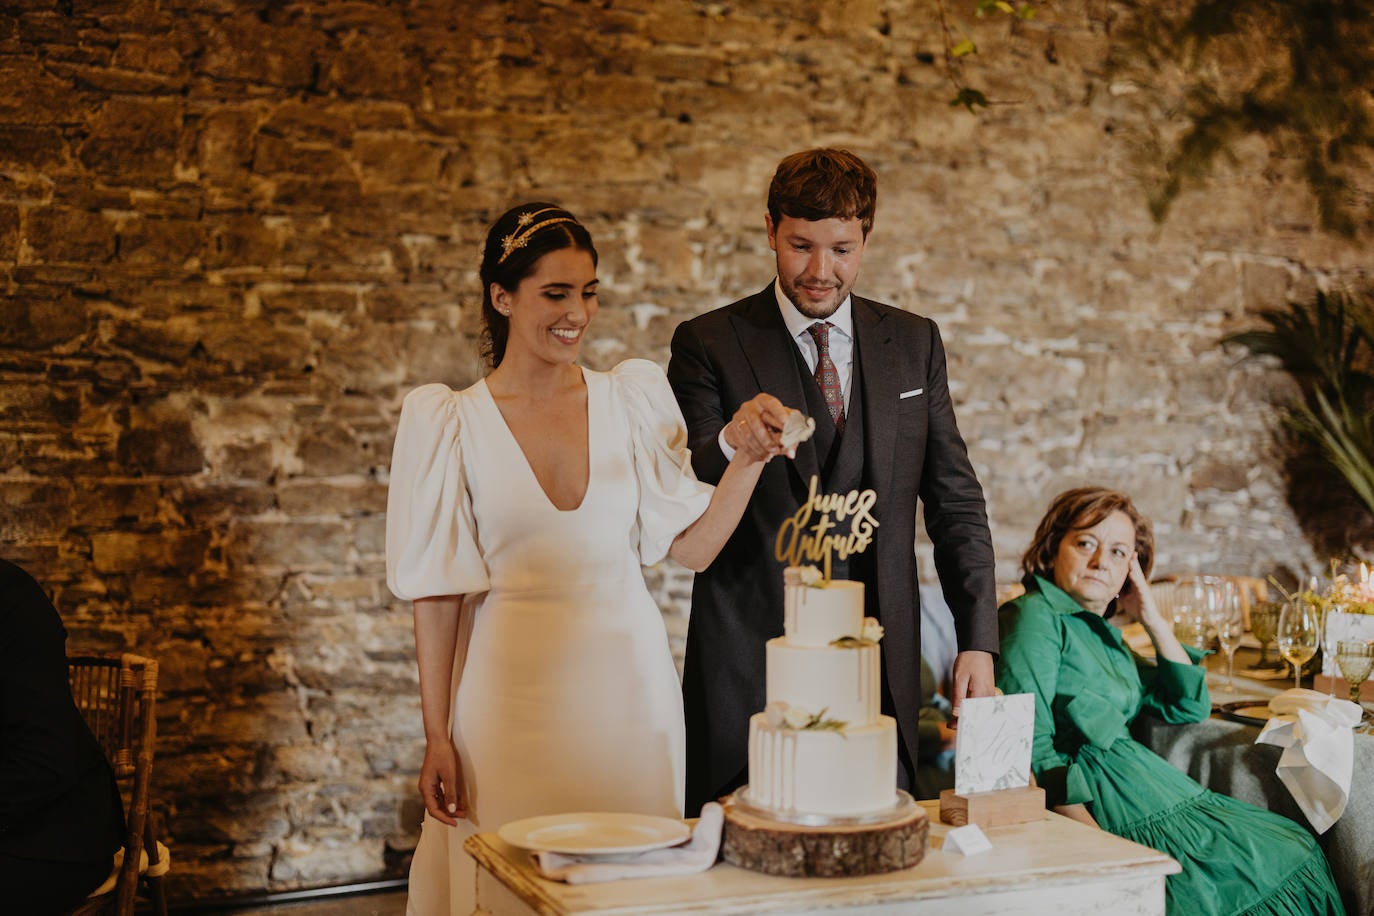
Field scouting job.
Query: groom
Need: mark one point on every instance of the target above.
(873, 377)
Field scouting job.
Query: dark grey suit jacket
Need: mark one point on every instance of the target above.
(912, 450)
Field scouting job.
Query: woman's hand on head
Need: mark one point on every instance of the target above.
(1138, 603)
(440, 780)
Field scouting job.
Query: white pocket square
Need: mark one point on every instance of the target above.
(910, 394)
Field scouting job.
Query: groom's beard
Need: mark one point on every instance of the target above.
(813, 308)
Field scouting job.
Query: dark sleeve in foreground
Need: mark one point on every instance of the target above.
(53, 775)
(39, 752)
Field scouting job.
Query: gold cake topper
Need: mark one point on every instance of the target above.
(812, 536)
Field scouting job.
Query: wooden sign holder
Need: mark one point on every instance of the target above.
(993, 809)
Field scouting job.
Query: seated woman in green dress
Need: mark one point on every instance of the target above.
(1088, 562)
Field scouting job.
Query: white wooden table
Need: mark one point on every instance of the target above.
(1053, 865)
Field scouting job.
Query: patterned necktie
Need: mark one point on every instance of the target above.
(826, 376)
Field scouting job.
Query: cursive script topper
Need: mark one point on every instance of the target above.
(815, 531)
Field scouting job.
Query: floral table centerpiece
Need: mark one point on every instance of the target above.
(1349, 605)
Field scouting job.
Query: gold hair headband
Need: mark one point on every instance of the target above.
(524, 231)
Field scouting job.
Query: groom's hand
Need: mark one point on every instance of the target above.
(973, 677)
(756, 427)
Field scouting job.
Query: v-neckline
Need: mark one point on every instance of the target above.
(520, 450)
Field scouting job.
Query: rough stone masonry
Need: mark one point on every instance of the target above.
(234, 234)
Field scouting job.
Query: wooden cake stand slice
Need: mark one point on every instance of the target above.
(823, 847)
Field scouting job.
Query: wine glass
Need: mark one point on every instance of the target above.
(1356, 659)
(1328, 650)
(1218, 599)
(1199, 603)
(1264, 623)
(1230, 627)
(1188, 612)
(1298, 635)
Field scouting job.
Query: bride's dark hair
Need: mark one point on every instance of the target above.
(515, 243)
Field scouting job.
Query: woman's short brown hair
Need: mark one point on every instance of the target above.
(1081, 508)
(820, 184)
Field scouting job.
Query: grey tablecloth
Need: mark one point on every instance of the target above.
(1222, 755)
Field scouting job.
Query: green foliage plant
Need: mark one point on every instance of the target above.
(1327, 347)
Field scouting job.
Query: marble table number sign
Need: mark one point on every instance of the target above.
(992, 749)
(992, 754)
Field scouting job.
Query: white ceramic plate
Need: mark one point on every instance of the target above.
(593, 833)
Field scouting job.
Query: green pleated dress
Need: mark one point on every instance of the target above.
(1088, 687)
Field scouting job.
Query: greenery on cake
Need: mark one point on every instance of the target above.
(794, 718)
(870, 635)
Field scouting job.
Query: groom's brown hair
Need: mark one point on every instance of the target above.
(818, 184)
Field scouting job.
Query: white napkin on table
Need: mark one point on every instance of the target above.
(697, 854)
(1319, 751)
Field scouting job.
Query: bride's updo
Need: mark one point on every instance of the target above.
(515, 243)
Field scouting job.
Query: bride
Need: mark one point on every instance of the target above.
(520, 512)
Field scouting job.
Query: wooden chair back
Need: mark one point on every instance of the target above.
(116, 695)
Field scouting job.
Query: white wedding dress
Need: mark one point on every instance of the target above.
(567, 698)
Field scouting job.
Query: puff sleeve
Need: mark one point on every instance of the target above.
(431, 535)
(670, 496)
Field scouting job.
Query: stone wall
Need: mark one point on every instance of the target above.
(233, 235)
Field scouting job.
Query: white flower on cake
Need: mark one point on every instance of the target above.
(869, 635)
(782, 715)
(811, 576)
(775, 713)
(872, 631)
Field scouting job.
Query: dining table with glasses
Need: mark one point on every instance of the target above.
(1221, 754)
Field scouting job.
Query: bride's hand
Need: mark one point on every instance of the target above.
(755, 431)
(440, 782)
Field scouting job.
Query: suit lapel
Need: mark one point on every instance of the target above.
(768, 348)
(881, 380)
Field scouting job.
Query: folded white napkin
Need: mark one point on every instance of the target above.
(697, 854)
(1319, 751)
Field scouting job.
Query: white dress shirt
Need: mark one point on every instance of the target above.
(841, 346)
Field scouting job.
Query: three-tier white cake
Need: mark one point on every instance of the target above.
(822, 748)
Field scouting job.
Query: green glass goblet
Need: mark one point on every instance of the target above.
(1355, 657)
(1264, 623)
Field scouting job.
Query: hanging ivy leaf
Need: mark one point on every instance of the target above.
(959, 47)
(972, 99)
